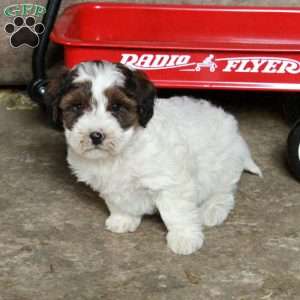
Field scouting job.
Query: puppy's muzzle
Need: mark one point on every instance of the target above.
(97, 137)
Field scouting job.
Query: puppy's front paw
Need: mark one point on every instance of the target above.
(122, 223)
(185, 242)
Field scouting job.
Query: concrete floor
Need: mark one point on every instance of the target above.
(53, 244)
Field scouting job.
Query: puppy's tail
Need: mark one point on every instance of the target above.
(251, 167)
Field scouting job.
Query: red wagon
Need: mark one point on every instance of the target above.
(180, 46)
(199, 47)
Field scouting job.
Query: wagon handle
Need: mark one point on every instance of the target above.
(37, 86)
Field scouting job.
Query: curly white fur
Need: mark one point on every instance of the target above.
(185, 164)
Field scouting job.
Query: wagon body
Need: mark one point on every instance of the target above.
(188, 46)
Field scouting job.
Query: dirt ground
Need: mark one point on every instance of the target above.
(53, 244)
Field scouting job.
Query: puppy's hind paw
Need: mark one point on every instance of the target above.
(216, 211)
(214, 216)
(184, 243)
(122, 223)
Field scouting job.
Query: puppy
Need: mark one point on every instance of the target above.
(181, 157)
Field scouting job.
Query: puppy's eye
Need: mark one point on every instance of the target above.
(115, 107)
(76, 108)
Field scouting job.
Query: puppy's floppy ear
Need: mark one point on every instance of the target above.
(146, 96)
(56, 89)
(138, 86)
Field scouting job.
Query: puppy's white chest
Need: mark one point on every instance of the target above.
(124, 190)
(116, 185)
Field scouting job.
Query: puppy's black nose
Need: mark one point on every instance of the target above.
(96, 137)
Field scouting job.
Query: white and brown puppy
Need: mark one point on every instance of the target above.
(180, 157)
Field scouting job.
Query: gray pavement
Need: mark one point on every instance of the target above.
(53, 244)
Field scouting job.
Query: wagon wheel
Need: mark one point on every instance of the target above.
(291, 107)
(293, 150)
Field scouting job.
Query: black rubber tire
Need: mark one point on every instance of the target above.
(293, 150)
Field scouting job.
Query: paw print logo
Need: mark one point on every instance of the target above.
(24, 32)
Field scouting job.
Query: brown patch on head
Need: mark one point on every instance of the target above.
(75, 102)
(139, 88)
(122, 107)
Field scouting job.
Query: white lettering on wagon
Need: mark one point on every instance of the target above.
(255, 64)
(154, 61)
(266, 65)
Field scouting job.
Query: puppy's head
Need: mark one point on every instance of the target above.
(101, 105)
